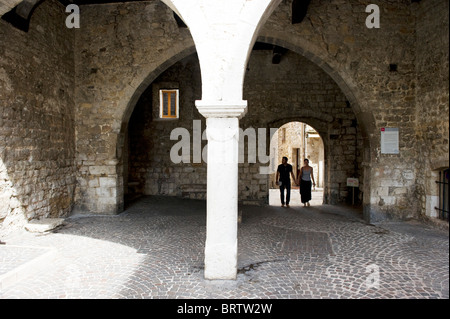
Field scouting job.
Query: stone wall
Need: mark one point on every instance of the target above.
(150, 169)
(37, 136)
(274, 93)
(7, 5)
(334, 35)
(120, 49)
(116, 62)
(432, 99)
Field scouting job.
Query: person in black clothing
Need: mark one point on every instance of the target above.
(305, 176)
(283, 179)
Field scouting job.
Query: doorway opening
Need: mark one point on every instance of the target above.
(298, 141)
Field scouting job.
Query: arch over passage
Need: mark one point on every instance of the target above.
(345, 82)
(315, 119)
(152, 75)
(297, 141)
(224, 33)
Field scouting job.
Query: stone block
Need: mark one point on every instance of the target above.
(408, 174)
(383, 191)
(94, 183)
(388, 200)
(43, 225)
(103, 192)
(107, 182)
(4, 206)
(398, 191)
(102, 170)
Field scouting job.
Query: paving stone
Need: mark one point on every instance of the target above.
(156, 250)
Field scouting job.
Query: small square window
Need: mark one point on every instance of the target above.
(169, 108)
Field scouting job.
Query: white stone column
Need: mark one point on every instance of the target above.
(224, 33)
(222, 129)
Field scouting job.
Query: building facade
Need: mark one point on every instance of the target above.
(81, 125)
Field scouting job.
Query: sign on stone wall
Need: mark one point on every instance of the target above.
(389, 140)
(352, 182)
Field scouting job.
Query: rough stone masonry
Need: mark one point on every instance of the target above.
(68, 134)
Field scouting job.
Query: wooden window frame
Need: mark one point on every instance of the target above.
(172, 115)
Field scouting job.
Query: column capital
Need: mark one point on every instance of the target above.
(222, 109)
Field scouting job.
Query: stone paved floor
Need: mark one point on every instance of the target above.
(155, 250)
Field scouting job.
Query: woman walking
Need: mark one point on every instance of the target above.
(304, 179)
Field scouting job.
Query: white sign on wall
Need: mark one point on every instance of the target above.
(352, 182)
(389, 140)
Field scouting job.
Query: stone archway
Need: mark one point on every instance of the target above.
(107, 172)
(224, 33)
(345, 82)
(221, 104)
(293, 140)
(153, 168)
(121, 139)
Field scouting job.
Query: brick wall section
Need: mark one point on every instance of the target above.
(37, 137)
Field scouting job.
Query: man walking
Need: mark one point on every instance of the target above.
(283, 179)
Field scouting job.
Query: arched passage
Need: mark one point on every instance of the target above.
(298, 141)
(330, 67)
(316, 100)
(104, 108)
(144, 86)
(363, 123)
(149, 168)
(102, 153)
(113, 163)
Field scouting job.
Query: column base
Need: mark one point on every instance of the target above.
(221, 261)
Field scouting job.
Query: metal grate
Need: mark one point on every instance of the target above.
(443, 195)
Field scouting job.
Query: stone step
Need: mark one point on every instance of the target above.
(43, 225)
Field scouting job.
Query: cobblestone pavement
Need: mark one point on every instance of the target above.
(155, 250)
